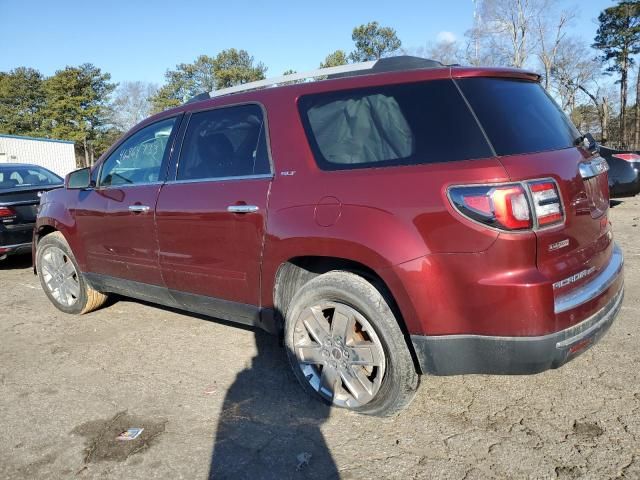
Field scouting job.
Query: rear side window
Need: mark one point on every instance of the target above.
(225, 142)
(518, 116)
(405, 124)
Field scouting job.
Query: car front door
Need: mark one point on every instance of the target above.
(130, 180)
(211, 218)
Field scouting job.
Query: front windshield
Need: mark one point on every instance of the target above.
(27, 176)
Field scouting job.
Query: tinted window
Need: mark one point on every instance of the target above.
(518, 116)
(226, 142)
(139, 159)
(392, 125)
(18, 176)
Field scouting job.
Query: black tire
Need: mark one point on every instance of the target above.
(400, 380)
(87, 299)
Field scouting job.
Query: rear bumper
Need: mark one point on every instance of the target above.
(467, 354)
(487, 354)
(12, 249)
(15, 238)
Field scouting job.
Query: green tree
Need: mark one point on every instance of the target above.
(335, 59)
(21, 102)
(235, 67)
(290, 72)
(105, 138)
(618, 37)
(373, 42)
(77, 106)
(228, 68)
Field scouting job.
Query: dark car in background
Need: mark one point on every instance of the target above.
(20, 188)
(624, 168)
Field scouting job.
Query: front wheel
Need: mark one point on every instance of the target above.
(346, 347)
(61, 278)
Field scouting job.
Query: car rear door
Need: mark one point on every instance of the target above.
(211, 218)
(124, 240)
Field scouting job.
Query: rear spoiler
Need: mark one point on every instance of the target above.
(469, 72)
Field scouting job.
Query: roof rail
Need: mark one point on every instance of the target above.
(321, 72)
(390, 64)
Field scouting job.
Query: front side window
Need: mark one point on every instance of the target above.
(225, 142)
(404, 124)
(139, 159)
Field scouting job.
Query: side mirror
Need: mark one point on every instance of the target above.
(79, 179)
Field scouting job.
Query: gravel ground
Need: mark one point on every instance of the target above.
(220, 400)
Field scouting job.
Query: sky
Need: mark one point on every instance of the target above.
(140, 40)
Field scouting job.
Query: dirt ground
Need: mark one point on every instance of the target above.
(219, 400)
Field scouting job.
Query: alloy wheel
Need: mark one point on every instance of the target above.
(339, 354)
(60, 276)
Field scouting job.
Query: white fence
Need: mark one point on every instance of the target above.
(56, 155)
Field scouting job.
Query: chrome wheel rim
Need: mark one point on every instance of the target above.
(339, 353)
(60, 276)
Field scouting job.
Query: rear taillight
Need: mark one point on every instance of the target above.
(546, 202)
(6, 212)
(511, 207)
(503, 206)
(627, 157)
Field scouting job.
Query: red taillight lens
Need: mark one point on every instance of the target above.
(511, 207)
(503, 206)
(508, 207)
(546, 202)
(627, 157)
(6, 212)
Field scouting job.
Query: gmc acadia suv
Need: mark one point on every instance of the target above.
(390, 219)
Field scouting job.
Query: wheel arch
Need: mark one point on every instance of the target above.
(292, 274)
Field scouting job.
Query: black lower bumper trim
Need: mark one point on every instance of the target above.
(468, 354)
(15, 249)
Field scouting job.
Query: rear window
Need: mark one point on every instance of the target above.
(27, 176)
(405, 124)
(518, 116)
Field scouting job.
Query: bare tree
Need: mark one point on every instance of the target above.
(636, 134)
(552, 32)
(507, 28)
(574, 74)
(131, 103)
(446, 52)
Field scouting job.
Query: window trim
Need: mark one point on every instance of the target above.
(162, 175)
(173, 174)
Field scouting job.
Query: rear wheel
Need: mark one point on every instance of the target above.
(61, 278)
(346, 347)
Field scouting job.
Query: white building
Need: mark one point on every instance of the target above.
(56, 155)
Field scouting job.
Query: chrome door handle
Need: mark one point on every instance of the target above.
(242, 208)
(139, 208)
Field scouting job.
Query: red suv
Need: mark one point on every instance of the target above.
(391, 219)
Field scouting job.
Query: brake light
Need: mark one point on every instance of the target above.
(6, 212)
(510, 207)
(503, 206)
(546, 202)
(627, 157)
